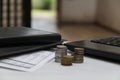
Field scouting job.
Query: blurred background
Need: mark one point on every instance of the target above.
(73, 19)
(44, 14)
(77, 19)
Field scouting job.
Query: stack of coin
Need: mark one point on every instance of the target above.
(67, 60)
(78, 55)
(60, 52)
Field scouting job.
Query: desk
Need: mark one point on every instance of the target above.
(91, 69)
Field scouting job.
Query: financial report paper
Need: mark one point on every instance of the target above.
(28, 62)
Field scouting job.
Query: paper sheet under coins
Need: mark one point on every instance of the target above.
(27, 62)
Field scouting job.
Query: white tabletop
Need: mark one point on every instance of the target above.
(91, 69)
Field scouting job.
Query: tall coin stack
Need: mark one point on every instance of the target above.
(78, 55)
(60, 52)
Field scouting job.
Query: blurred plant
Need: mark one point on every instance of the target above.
(43, 4)
(36, 4)
(46, 4)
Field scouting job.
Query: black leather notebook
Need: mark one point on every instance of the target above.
(24, 49)
(24, 35)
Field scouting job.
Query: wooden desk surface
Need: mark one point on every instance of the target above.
(74, 32)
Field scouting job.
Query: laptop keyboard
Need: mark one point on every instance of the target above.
(113, 41)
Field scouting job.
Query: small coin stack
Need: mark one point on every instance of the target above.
(60, 52)
(78, 55)
(67, 60)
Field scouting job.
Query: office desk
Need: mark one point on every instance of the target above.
(91, 69)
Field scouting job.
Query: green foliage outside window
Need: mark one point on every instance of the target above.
(44, 4)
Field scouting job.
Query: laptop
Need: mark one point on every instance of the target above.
(104, 48)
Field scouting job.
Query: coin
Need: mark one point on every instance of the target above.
(78, 55)
(60, 52)
(67, 60)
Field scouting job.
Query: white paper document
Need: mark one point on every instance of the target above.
(28, 62)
